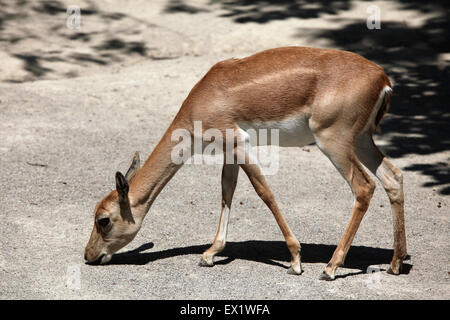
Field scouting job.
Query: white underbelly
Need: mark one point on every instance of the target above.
(291, 132)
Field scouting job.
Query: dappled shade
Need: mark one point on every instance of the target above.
(416, 57)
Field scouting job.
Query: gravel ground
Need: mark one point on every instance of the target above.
(63, 138)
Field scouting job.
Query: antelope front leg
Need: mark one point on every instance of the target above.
(262, 189)
(229, 180)
(254, 173)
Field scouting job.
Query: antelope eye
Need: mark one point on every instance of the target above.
(103, 222)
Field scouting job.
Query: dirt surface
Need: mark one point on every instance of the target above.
(76, 103)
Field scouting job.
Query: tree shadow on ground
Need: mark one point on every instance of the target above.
(415, 57)
(419, 118)
(39, 34)
(176, 6)
(263, 11)
(268, 252)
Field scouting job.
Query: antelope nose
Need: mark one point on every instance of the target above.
(85, 256)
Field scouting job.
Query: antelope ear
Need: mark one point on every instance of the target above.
(135, 165)
(122, 186)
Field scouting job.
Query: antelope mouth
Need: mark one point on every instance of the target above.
(102, 259)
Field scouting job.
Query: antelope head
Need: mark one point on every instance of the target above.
(114, 224)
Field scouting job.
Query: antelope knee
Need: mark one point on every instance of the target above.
(394, 187)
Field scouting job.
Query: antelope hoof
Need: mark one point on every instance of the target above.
(395, 268)
(394, 271)
(205, 263)
(294, 272)
(325, 276)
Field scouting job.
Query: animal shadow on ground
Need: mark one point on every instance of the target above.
(273, 253)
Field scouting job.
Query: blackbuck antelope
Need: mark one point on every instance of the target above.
(331, 97)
